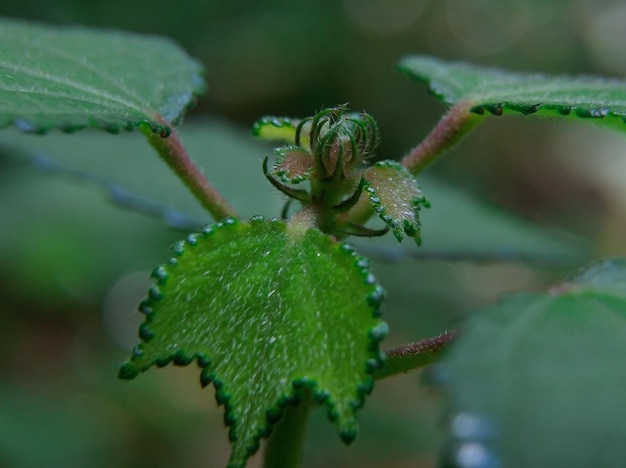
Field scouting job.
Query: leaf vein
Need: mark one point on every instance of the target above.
(135, 106)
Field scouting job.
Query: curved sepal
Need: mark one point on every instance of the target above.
(396, 198)
(267, 310)
(293, 164)
(292, 192)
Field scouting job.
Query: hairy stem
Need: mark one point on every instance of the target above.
(174, 154)
(451, 128)
(414, 355)
(284, 447)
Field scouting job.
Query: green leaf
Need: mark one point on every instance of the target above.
(396, 198)
(71, 78)
(267, 310)
(459, 225)
(498, 91)
(276, 129)
(539, 379)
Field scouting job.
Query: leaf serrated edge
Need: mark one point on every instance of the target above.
(437, 89)
(298, 384)
(397, 227)
(146, 307)
(25, 126)
(274, 123)
(594, 113)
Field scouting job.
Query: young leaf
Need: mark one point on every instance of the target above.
(539, 379)
(283, 129)
(71, 78)
(276, 129)
(293, 164)
(498, 91)
(266, 310)
(463, 225)
(395, 197)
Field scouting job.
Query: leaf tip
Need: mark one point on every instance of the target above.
(127, 371)
(348, 431)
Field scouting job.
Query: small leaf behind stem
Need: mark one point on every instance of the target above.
(539, 379)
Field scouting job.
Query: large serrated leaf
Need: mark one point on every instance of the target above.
(266, 310)
(72, 77)
(539, 379)
(497, 91)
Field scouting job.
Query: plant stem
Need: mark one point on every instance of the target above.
(174, 154)
(415, 355)
(284, 447)
(451, 128)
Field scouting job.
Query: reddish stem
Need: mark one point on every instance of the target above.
(415, 355)
(449, 130)
(172, 151)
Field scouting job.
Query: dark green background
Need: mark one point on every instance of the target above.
(72, 267)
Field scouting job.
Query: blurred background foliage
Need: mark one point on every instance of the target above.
(73, 266)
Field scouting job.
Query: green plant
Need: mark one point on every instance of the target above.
(281, 314)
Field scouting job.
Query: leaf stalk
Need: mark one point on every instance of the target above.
(458, 121)
(415, 355)
(284, 447)
(172, 151)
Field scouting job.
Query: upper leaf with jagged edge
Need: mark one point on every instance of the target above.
(539, 379)
(72, 77)
(396, 198)
(267, 309)
(498, 91)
